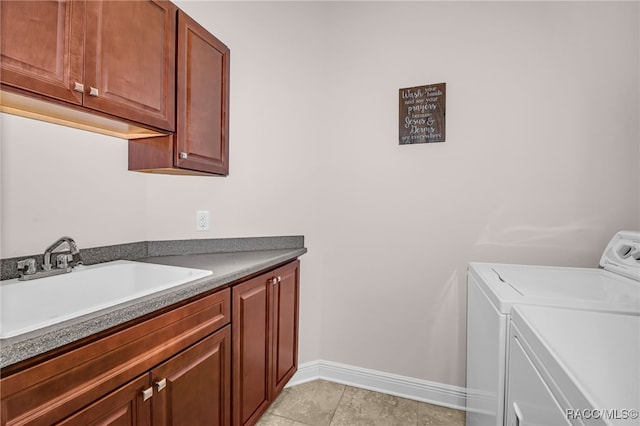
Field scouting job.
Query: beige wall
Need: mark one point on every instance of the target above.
(541, 162)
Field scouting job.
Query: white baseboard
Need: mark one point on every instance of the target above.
(392, 384)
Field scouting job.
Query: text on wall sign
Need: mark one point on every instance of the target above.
(422, 114)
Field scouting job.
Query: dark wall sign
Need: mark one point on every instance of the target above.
(422, 114)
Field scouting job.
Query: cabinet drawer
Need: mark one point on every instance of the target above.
(51, 390)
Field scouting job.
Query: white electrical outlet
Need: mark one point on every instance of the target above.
(202, 220)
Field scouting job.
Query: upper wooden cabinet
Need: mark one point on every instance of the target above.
(115, 57)
(141, 69)
(129, 62)
(42, 47)
(201, 142)
(202, 138)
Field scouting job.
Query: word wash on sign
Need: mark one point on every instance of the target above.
(422, 114)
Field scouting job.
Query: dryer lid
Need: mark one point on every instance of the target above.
(622, 255)
(592, 357)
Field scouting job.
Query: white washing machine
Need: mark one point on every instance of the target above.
(573, 367)
(493, 289)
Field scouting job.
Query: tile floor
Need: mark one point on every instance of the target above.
(323, 403)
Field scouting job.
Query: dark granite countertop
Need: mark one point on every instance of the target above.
(228, 259)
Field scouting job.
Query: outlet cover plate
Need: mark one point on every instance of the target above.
(202, 220)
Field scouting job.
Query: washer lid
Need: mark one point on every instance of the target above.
(622, 255)
(569, 283)
(586, 288)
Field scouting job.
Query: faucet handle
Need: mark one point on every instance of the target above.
(62, 261)
(27, 266)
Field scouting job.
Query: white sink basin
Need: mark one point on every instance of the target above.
(30, 305)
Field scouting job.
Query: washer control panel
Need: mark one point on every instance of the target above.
(622, 255)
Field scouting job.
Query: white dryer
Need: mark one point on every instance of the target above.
(493, 289)
(573, 367)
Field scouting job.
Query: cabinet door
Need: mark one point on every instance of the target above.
(130, 60)
(202, 139)
(193, 387)
(123, 407)
(285, 326)
(42, 47)
(251, 350)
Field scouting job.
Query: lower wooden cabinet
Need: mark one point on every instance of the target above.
(265, 340)
(284, 344)
(192, 388)
(125, 406)
(50, 391)
(218, 360)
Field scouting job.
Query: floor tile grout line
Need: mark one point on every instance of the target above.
(344, 387)
(293, 420)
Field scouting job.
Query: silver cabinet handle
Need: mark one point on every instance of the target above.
(93, 91)
(161, 384)
(78, 87)
(183, 155)
(273, 281)
(147, 393)
(279, 279)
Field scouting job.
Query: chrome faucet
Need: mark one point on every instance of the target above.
(65, 262)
